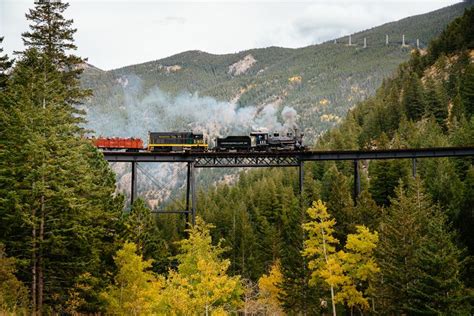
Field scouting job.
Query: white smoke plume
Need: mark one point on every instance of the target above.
(158, 111)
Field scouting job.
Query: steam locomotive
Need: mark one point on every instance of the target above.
(195, 142)
(260, 141)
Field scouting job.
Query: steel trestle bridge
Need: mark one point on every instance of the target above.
(270, 159)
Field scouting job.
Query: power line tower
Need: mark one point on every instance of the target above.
(46, 1)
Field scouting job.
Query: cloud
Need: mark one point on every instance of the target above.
(171, 20)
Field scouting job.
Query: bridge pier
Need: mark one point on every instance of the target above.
(188, 190)
(133, 189)
(413, 165)
(192, 180)
(301, 179)
(356, 181)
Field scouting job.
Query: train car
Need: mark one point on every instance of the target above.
(117, 143)
(176, 141)
(238, 143)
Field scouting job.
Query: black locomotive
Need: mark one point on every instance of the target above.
(260, 141)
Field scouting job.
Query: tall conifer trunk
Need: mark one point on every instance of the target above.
(40, 260)
(33, 263)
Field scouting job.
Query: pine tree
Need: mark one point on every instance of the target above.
(467, 90)
(436, 102)
(53, 35)
(141, 229)
(385, 175)
(5, 64)
(295, 291)
(13, 293)
(416, 253)
(336, 191)
(57, 207)
(413, 99)
(366, 212)
(465, 223)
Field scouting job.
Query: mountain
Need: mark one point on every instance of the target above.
(322, 82)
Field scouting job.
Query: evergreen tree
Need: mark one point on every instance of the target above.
(140, 228)
(436, 102)
(467, 90)
(57, 207)
(336, 191)
(53, 35)
(5, 64)
(295, 294)
(13, 294)
(413, 99)
(385, 175)
(366, 212)
(416, 253)
(465, 223)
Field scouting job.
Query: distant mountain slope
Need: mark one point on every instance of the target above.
(321, 81)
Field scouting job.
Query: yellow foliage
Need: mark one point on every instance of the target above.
(201, 284)
(269, 290)
(324, 102)
(329, 118)
(295, 79)
(343, 269)
(136, 291)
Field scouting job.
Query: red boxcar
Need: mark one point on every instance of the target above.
(116, 143)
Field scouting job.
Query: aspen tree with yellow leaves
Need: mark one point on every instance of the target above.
(200, 285)
(348, 272)
(269, 288)
(136, 290)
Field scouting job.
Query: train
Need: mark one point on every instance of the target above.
(195, 142)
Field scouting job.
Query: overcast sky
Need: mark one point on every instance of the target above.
(115, 33)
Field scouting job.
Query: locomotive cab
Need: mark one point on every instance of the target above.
(259, 140)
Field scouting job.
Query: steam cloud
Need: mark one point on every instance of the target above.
(158, 111)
